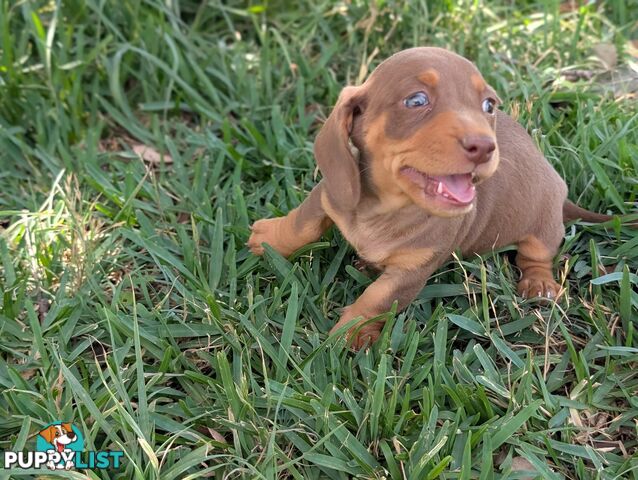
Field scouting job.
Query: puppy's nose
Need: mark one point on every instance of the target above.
(478, 148)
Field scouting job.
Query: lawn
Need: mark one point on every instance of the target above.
(140, 139)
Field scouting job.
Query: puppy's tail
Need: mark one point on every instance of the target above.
(571, 211)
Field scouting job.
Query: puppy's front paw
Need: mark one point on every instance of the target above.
(539, 287)
(359, 336)
(366, 336)
(267, 231)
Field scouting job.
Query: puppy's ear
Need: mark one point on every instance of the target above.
(48, 434)
(338, 165)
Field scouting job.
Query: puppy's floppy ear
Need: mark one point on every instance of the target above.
(48, 434)
(338, 165)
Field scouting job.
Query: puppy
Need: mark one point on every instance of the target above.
(59, 436)
(435, 168)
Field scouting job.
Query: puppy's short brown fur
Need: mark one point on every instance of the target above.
(436, 168)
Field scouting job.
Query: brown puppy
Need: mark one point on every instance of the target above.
(436, 168)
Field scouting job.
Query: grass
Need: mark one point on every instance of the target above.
(130, 306)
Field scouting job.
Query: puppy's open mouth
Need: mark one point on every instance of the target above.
(457, 189)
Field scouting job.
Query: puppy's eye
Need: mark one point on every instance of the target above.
(488, 106)
(57, 434)
(419, 99)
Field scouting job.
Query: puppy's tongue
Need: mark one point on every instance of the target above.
(459, 187)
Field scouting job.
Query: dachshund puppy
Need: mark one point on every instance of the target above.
(435, 168)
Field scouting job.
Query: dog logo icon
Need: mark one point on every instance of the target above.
(61, 438)
(60, 446)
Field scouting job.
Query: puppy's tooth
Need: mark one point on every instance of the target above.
(439, 188)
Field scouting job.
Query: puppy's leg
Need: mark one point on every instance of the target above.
(534, 258)
(394, 284)
(303, 225)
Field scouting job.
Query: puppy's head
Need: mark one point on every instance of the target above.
(424, 125)
(62, 434)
